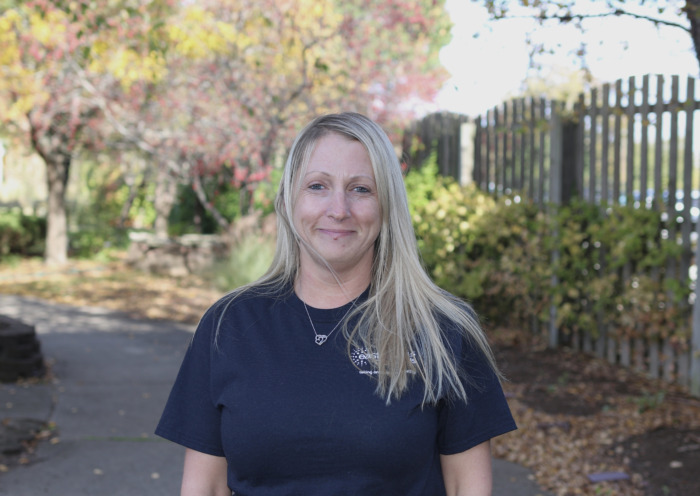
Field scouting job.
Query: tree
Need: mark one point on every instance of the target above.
(215, 88)
(680, 14)
(243, 76)
(50, 50)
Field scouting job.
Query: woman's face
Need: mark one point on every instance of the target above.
(337, 210)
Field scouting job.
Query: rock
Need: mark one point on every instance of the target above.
(20, 351)
(175, 257)
(14, 432)
(607, 476)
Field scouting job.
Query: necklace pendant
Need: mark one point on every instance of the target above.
(320, 339)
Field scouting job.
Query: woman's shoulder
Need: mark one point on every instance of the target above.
(235, 310)
(455, 316)
(254, 296)
(460, 303)
(462, 331)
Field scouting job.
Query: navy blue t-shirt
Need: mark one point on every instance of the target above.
(295, 418)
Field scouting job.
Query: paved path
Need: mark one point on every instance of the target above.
(113, 374)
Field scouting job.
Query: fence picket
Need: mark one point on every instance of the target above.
(531, 129)
(602, 151)
(617, 142)
(659, 111)
(507, 162)
(542, 157)
(580, 142)
(592, 149)
(523, 144)
(644, 152)
(629, 114)
(605, 151)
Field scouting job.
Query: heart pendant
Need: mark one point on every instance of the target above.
(320, 339)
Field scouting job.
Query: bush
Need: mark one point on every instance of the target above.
(21, 234)
(249, 258)
(95, 220)
(95, 240)
(231, 201)
(486, 251)
(502, 255)
(612, 269)
(420, 183)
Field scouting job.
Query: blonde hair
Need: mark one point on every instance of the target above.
(405, 313)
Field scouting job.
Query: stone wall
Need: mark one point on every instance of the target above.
(175, 257)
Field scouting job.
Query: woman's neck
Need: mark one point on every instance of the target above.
(326, 290)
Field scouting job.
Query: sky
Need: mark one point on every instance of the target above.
(490, 68)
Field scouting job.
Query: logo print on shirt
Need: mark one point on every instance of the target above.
(360, 357)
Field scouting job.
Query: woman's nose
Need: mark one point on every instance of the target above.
(339, 207)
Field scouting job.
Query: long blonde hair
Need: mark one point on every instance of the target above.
(405, 314)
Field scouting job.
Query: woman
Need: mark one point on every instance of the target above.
(344, 370)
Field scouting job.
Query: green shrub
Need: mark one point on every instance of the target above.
(486, 251)
(21, 234)
(230, 200)
(421, 183)
(584, 290)
(248, 260)
(187, 208)
(97, 241)
(95, 220)
(510, 249)
(503, 254)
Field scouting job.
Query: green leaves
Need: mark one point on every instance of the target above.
(609, 263)
(21, 234)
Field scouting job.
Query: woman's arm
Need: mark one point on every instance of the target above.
(204, 475)
(468, 473)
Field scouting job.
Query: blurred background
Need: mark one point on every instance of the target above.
(171, 117)
(551, 159)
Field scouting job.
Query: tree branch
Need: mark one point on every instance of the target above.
(202, 197)
(565, 18)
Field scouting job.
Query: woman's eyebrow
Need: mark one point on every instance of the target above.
(323, 173)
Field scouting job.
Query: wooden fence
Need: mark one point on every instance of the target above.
(439, 133)
(627, 143)
(631, 142)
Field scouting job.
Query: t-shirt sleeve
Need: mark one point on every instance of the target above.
(191, 417)
(485, 414)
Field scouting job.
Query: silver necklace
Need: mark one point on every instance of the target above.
(322, 338)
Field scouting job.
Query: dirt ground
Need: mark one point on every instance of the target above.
(580, 419)
(580, 416)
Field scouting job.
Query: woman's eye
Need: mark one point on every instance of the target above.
(316, 186)
(361, 189)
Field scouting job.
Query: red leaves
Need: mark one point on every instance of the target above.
(268, 67)
(239, 175)
(260, 175)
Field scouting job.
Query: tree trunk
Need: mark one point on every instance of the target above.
(692, 11)
(165, 195)
(204, 201)
(56, 251)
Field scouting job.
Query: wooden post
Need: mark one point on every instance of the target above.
(570, 180)
(555, 198)
(565, 182)
(467, 133)
(695, 336)
(556, 165)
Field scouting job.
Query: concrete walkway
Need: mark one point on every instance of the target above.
(112, 377)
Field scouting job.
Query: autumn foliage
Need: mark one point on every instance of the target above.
(209, 88)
